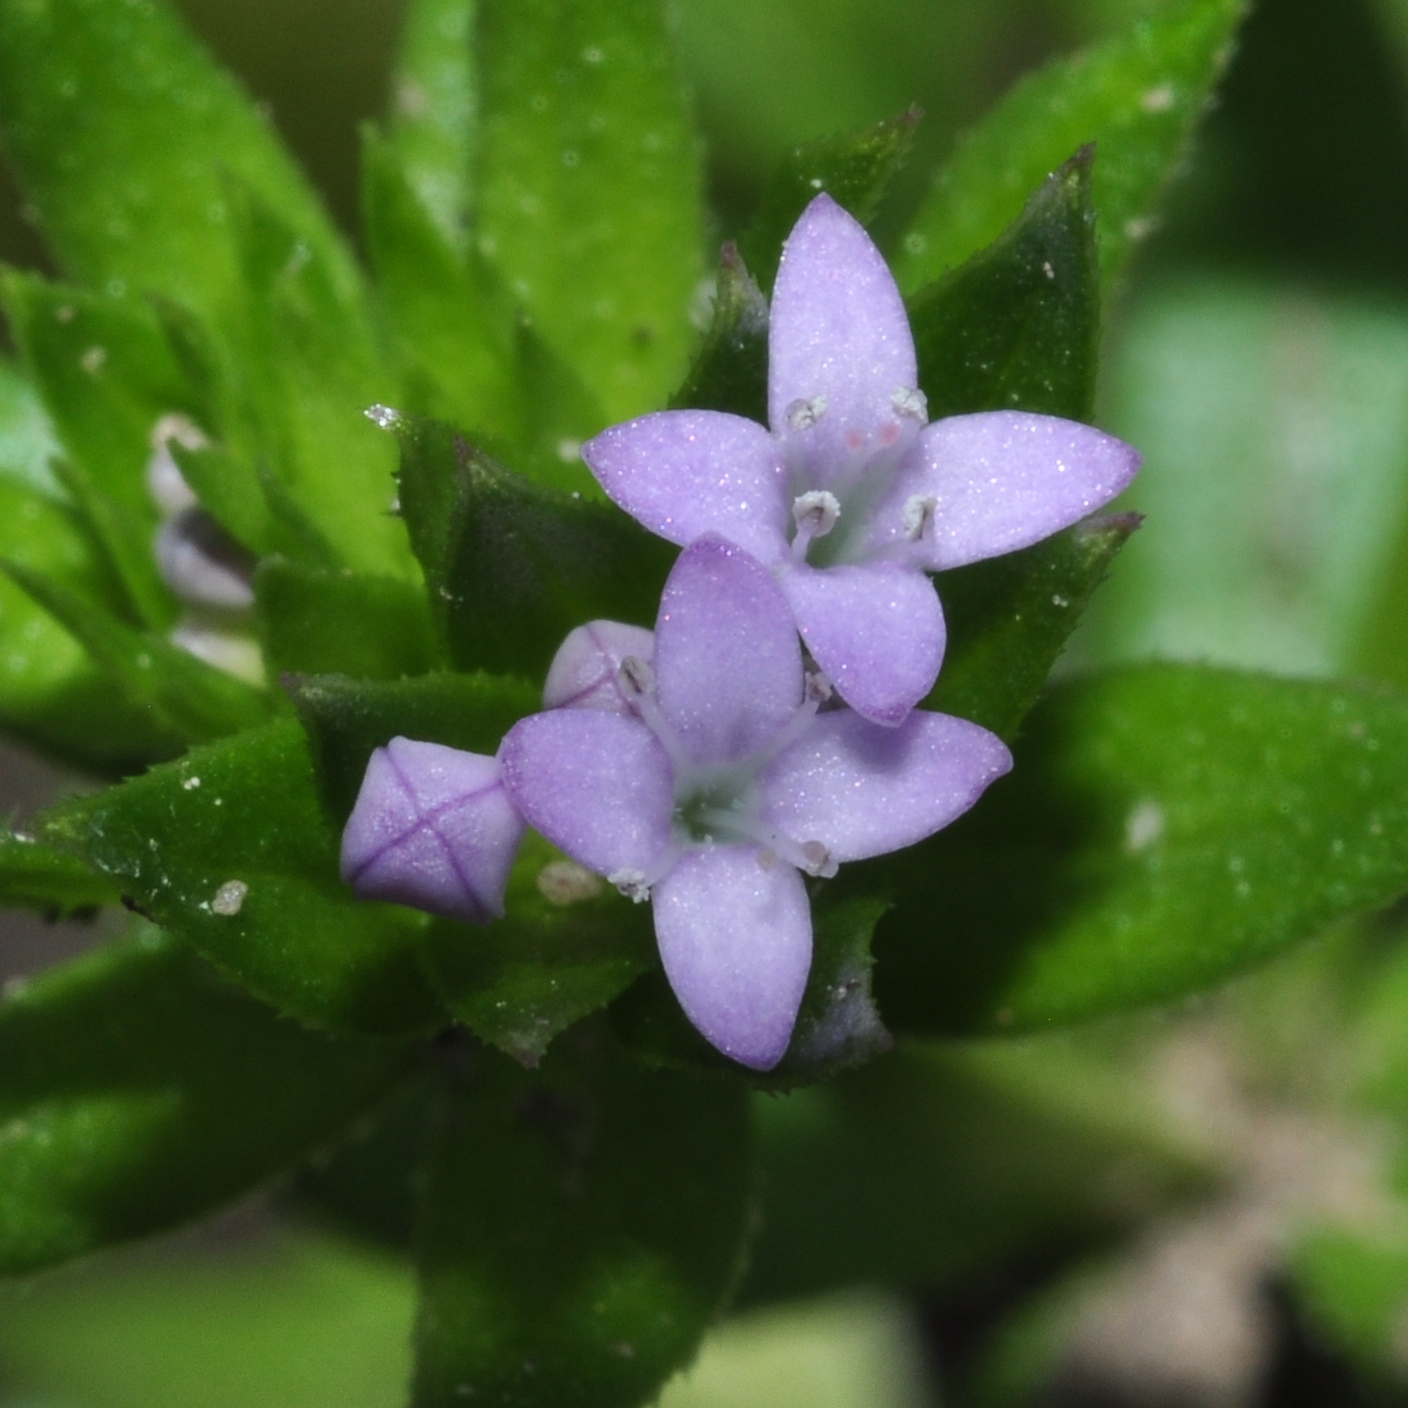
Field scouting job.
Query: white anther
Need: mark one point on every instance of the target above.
(818, 689)
(911, 402)
(819, 860)
(168, 486)
(637, 677)
(802, 414)
(632, 884)
(919, 516)
(816, 512)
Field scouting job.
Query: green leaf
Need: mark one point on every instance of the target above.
(1018, 326)
(567, 946)
(1164, 828)
(36, 876)
(434, 101)
(187, 699)
(590, 189)
(122, 132)
(28, 441)
(941, 1162)
(582, 1226)
(730, 370)
(139, 1090)
(301, 369)
(229, 849)
(1277, 481)
(1137, 96)
(837, 1026)
(512, 566)
(346, 719)
(854, 168)
(1009, 617)
(106, 375)
(342, 622)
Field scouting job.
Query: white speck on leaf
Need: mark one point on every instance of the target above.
(229, 898)
(1144, 826)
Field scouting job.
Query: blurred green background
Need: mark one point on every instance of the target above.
(1258, 354)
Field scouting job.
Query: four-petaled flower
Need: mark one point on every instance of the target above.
(723, 780)
(852, 497)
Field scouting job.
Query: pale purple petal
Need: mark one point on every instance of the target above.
(686, 473)
(586, 671)
(434, 828)
(876, 629)
(736, 942)
(999, 481)
(597, 785)
(727, 661)
(838, 331)
(862, 790)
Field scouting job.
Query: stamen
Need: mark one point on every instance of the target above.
(919, 516)
(909, 401)
(815, 514)
(632, 884)
(810, 857)
(803, 414)
(818, 691)
(818, 688)
(819, 860)
(638, 685)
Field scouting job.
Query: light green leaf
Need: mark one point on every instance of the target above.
(229, 849)
(589, 188)
(138, 1090)
(1138, 96)
(123, 132)
(434, 112)
(582, 1226)
(36, 876)
(1164, 828)
(28, 441)
(1273, 419)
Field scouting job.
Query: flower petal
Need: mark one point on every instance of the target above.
(838, 331)
(726, 654)
(875, 628)
(434, 828)
(596, 784)
(862, 790)
(586, 671)
(736, 942)
(686, 473)
(998, 481)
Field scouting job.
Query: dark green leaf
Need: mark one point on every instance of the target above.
(567, 946)
(122, 132)
(511, 566)
(1009, 618)
(589, 190)
(730, 371)
(942, 1162)
(1138, 96)
(434, 96)
(1018, 326)
(35, 876)
(138, 1090)
(837, 1026)
(187, 699)
(582, 1227)
(1164, 828)
(854, 168)
(342, 622)
(229, 849)
(346, 719)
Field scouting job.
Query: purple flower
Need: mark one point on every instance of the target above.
(852, 497)
(723, 781)
(433, 828)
